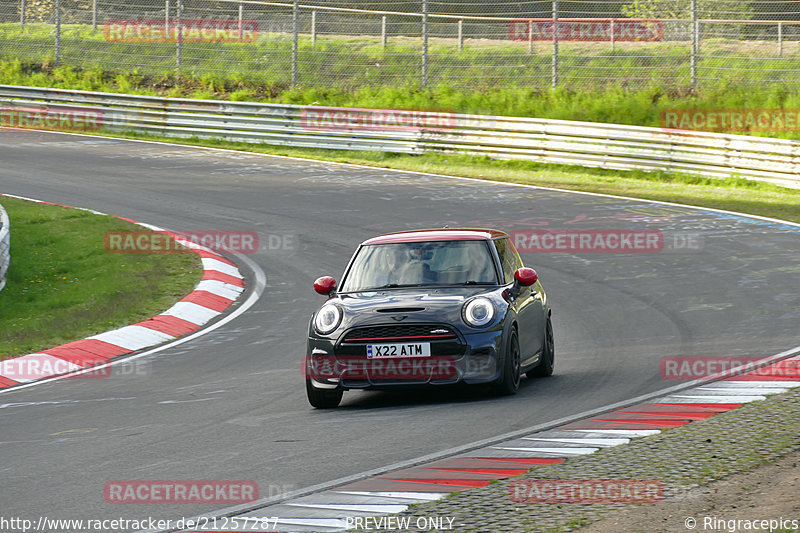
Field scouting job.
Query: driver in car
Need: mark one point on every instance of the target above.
(393, 261)
(417, 271)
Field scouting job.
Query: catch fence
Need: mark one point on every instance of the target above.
(471, 44)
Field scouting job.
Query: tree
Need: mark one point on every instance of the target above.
(43, 10)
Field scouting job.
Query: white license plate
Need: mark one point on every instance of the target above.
(406, 349)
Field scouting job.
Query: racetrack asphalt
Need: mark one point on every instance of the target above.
(231, 405)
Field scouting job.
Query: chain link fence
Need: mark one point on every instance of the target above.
(474, 44)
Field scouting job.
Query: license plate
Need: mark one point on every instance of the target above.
(387, 351)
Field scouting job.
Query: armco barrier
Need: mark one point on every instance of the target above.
(5, 246)
(588, 144)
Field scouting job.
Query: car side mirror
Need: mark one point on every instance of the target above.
(526, 276)
(325, 285)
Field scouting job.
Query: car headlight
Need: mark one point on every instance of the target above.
(478, 312)
(327, 319)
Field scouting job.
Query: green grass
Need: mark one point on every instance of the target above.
(642, 106)
(62, 285)
(356, 61)
(631, 84)
(733, 194)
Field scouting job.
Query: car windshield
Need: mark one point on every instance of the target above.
(421, 264)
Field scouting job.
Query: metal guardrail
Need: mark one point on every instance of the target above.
(5, 246)
(587, 144)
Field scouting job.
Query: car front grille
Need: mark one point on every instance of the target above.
(400, 333)
(446, 345)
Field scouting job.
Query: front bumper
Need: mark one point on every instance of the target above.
(471, 358)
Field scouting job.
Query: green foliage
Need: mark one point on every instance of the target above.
(39, 10)
(642, 105)
(44, 10)
(354, 62)
(242, 95)
(682, 9)
(11, 72)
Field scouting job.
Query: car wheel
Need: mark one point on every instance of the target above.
(548, 361)
(322, 398)
(509, 382)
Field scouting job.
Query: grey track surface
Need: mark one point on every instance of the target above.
(231, 405)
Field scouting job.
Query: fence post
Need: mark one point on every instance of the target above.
(695, 44)
(383, 32)
(530, 37)
(295, 29)
(613, 38)
(21, 15)
(780, 38)
(460, 35)
(166, 18)
(424, 43)
(94, 16)
(313, 28)
(58, 32)
(179, 40)
(241, 17)
(555, 44)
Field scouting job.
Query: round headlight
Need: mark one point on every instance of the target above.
(327, 319)
(478, 312)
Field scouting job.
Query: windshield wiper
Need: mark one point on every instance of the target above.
(473, 282)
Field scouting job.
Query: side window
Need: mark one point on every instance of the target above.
(517, 258)
(509, 259)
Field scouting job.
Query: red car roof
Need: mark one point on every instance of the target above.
(447, 234)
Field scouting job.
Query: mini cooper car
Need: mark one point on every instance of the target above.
(429, 308)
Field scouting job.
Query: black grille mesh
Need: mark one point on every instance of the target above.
(405, 330)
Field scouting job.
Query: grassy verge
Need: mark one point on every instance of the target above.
(490, 61)
(641, 105)
(63, 285)
(730, 194)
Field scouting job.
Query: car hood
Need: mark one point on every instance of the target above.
(412, 297)
(408, 305)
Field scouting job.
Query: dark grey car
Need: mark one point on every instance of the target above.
(428, 308)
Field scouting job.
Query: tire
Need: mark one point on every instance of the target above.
(548, 361)
(509, 381)
(322, 398)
